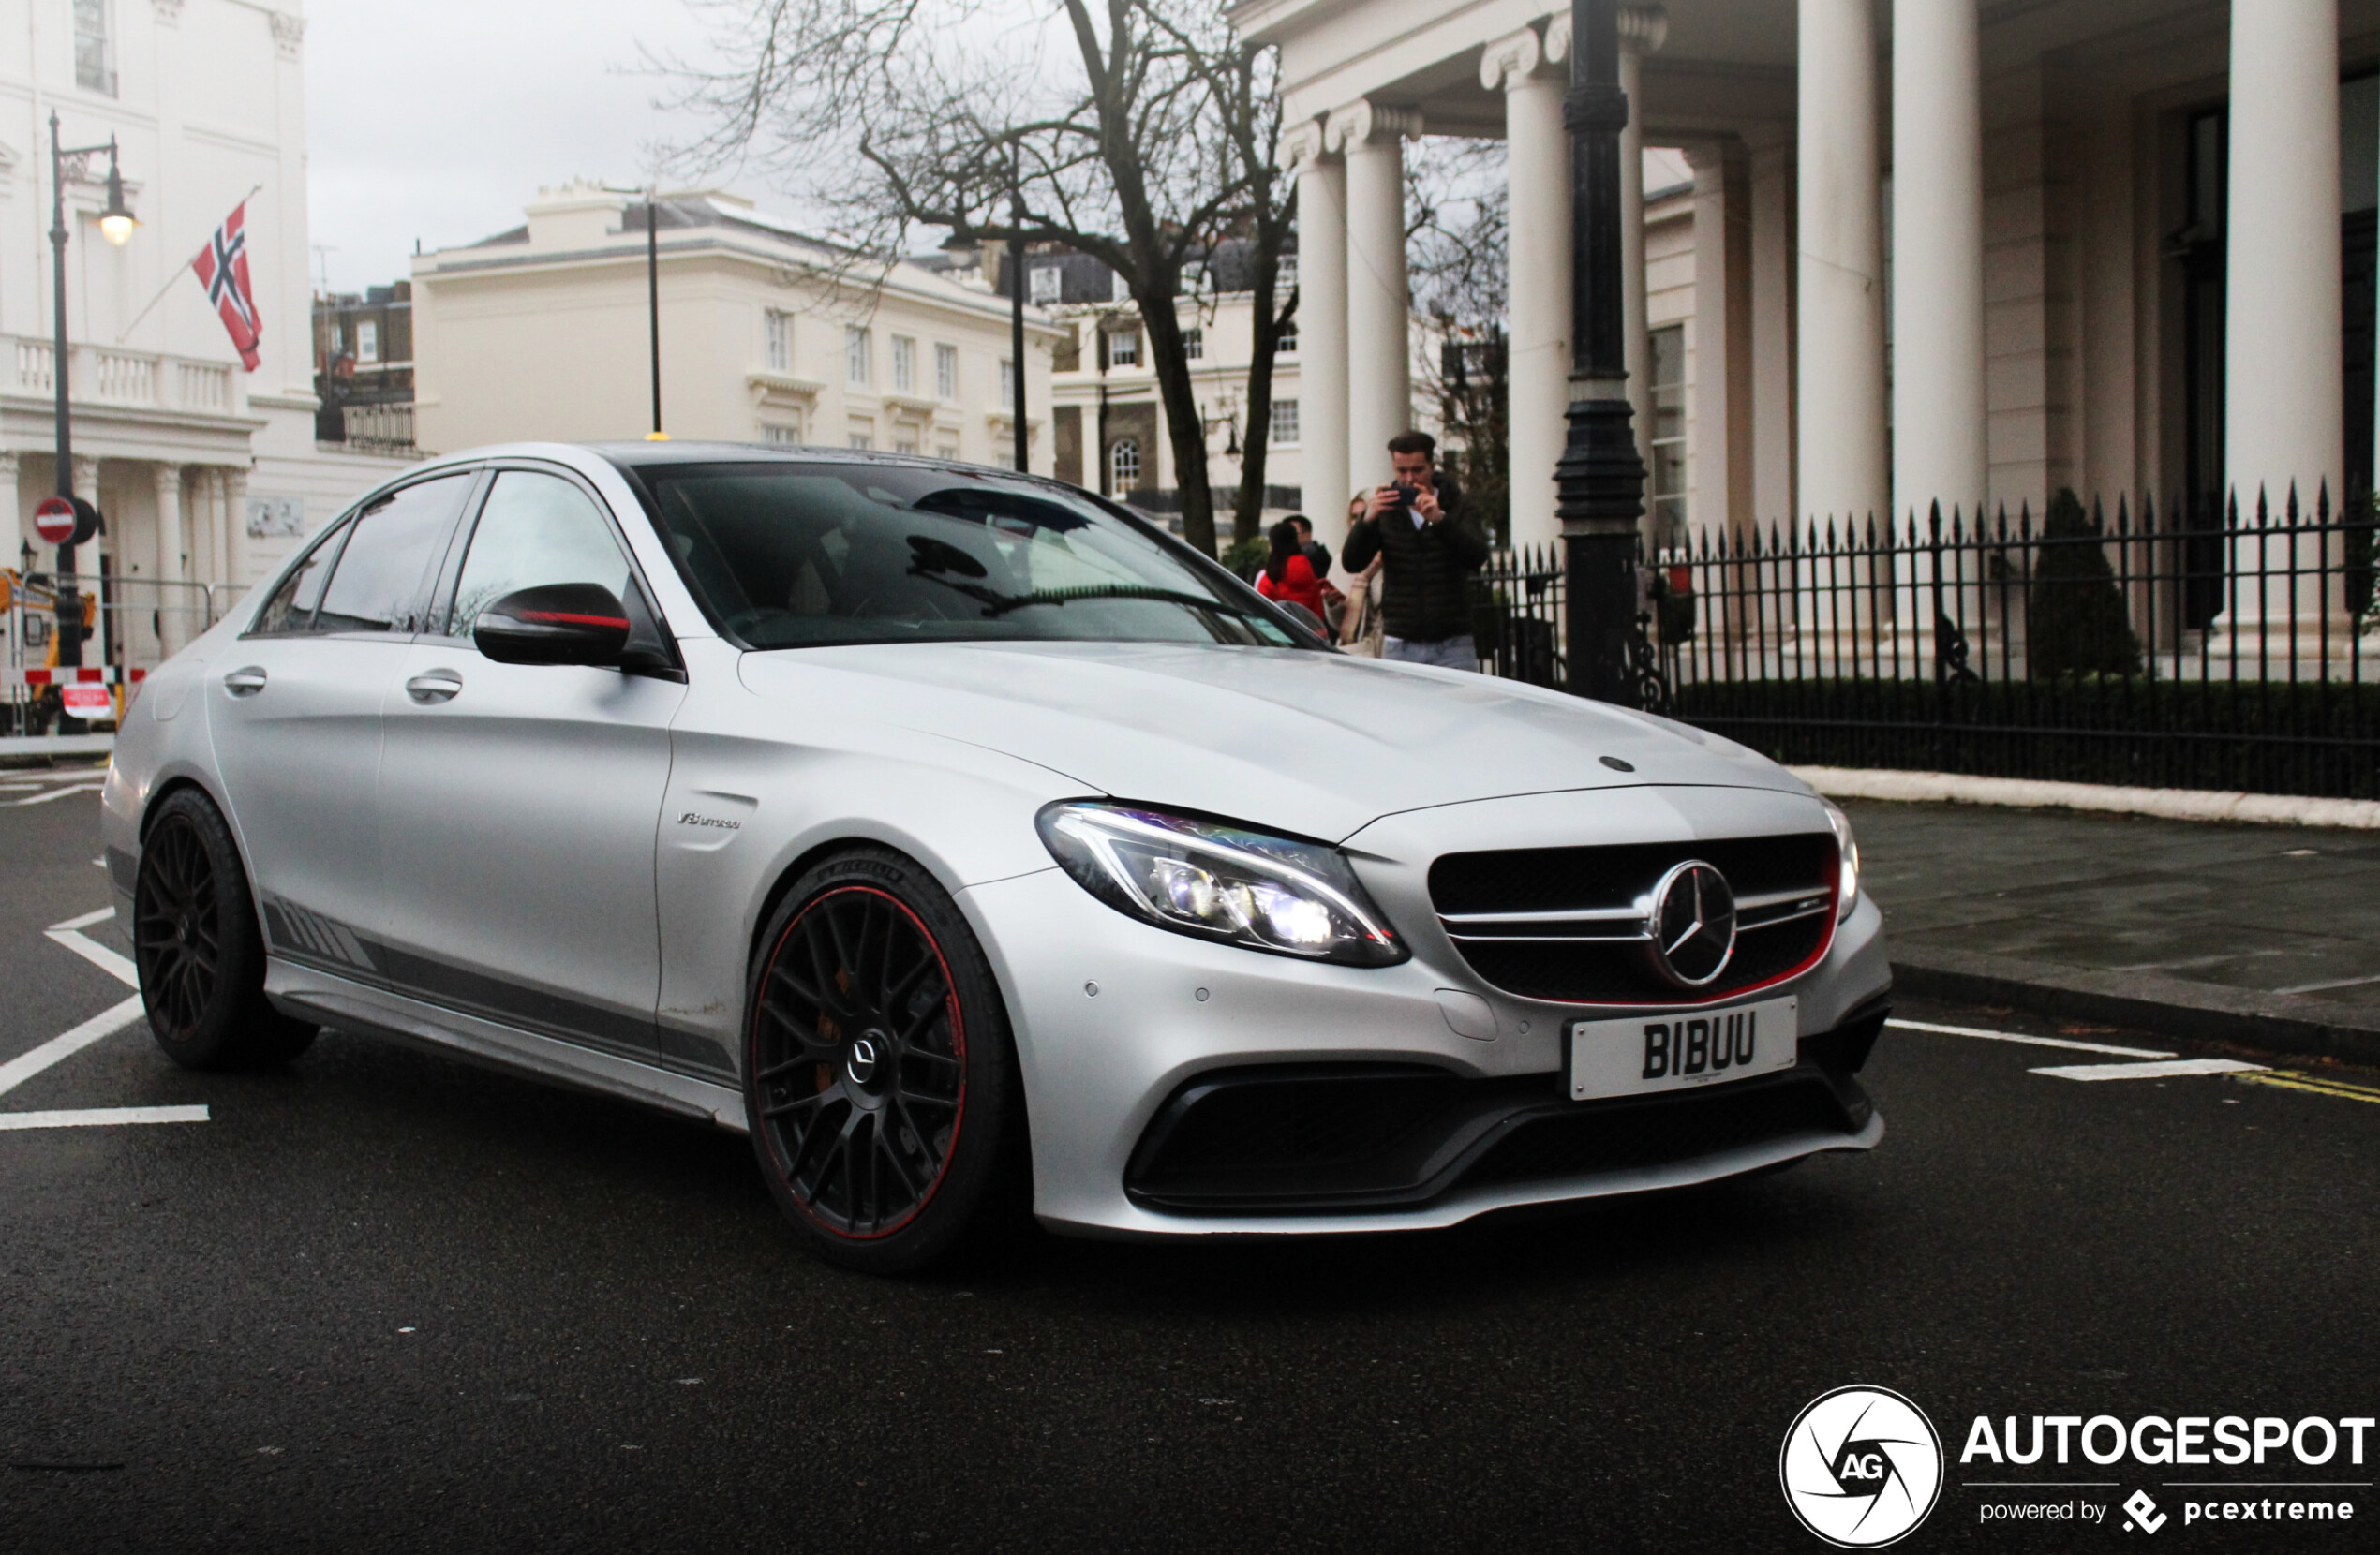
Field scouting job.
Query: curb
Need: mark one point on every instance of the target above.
(1953, 788)
(2194, 1011)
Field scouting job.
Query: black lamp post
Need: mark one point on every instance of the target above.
(1599, 478)
(1017, 312)
(652, 293)
(116, 222)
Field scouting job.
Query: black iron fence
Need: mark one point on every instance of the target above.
(2192, 647)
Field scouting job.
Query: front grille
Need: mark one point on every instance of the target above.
(1657, 1133)
(1567, 925)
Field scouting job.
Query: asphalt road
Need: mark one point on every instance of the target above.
(386, 1302)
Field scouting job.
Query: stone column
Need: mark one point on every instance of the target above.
(232, 555)
(1322, 332)
(17, 529)
(1771, 199)
(1379, 351)
(1538, 244)
(177, 622)
(2282, 389)
(1720, 443)
(1840, 327)
(1939, 408)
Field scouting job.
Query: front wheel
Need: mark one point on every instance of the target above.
(878, 1078)
(198, 948)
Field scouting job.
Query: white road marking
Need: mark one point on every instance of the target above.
(114, 963)
(55, 793)
(2152, 1071)
(2037, 1042)
(65, 1045)
(2319, 987)
(84, 1117)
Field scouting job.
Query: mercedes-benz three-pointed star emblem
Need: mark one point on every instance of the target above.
(1692, 928)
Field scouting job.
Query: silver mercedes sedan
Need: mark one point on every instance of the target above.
(980, 850)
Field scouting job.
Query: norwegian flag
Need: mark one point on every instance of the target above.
(223, 268)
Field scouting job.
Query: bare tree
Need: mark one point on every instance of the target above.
(1150, 146)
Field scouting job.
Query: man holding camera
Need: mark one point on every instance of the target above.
(1429, 548)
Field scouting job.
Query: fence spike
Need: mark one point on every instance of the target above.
(2098, 516)
(2123, 514)
(2322, 502)
(2025, 519)
(2290, 512)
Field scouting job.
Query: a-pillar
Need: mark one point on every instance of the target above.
(1840, 325)
(177, 623)
(1538, 246)
(1379, 350)
(2282, 389)
(1324, 481)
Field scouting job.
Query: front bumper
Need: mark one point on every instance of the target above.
(1114, 1019)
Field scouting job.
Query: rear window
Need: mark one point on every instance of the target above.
(785, 556)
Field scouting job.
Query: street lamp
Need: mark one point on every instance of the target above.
(116, 223)
(652, 293)
(1599, 478)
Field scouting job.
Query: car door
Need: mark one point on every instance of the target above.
(518, 803)
(294, 714)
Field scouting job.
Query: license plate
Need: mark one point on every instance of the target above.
(1672, 1052)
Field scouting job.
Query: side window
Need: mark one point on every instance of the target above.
(384, 571)
(535, 529)
(291, 607)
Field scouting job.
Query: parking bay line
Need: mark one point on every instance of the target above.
(99, 1116)
(65, 1046)
(2161, 1065)
(2036, 1042)
(54, 793)
(114, 963)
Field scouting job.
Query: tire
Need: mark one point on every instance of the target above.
(198, 947)
(880, 1080)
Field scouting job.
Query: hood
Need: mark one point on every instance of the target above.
(1312, 742)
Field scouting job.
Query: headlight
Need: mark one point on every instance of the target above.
(1850, 847)
(1217, 881)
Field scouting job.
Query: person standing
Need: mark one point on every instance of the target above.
(1428, 547)
(1288, 575)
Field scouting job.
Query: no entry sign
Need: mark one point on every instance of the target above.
(87, 702)
(54, 520)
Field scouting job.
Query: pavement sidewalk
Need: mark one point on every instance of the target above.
(2261, 936)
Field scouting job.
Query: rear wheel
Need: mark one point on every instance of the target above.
(197, 946)
(880, 1082)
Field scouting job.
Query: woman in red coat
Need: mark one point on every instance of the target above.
(1287, 575)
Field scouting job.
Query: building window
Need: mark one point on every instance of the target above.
(946, 373)
(857, 350)
(1193, 344)
(861, 440)
(904, 365)
(1117, 290)
(367, 340)
(1123, 347)
(948, 450)
(93, 59)
(338, 340)
(1284, 274)
(777, 341)
(1284, 423)
(905, 445)
(1046, 282)
(1007, 385)
(780, 436)
(1669, 435)
(1194, 277)
(1286, 342)
(1124, 466)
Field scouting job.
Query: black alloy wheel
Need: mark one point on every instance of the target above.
(878, 1070)
(198, 948)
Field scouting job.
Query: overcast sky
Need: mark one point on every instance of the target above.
(439, 119)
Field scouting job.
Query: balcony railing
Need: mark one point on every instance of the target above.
(2191, 646)
(143, 379)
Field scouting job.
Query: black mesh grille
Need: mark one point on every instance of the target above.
(1656, 1134)
(1553, 879)
(1320, 1122)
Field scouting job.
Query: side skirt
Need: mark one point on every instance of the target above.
(312, 994)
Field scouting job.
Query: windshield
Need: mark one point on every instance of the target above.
(786, 556)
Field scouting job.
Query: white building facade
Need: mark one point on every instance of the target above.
(1941, 251)
(206, 473)
(767, 337)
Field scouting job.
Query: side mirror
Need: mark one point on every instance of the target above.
(1305, 618)
(555, 624)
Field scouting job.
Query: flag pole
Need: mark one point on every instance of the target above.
(176, 275)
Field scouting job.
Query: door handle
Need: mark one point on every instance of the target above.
(245, 682)
(432, 686)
